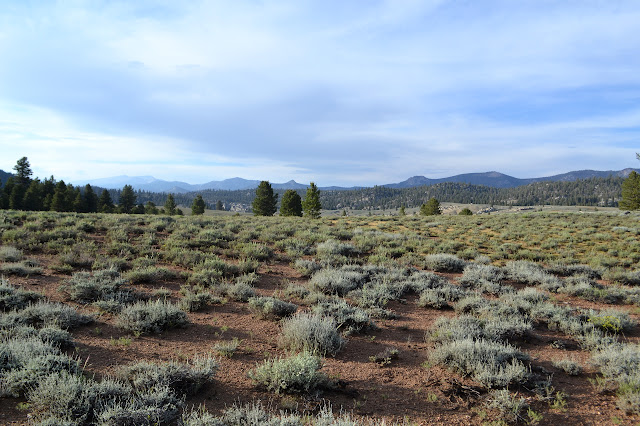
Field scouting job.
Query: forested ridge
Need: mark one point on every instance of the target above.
(20, 192)
(587, 192)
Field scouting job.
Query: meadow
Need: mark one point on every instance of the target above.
(524, 317)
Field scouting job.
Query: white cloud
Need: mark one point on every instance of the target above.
(340, 92)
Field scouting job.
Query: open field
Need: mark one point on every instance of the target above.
(527, 317)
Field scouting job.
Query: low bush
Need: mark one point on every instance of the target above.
(312, 333)
(104, 285)
(183, 379)
(150, 274)
(272, 308)
(443, 262)
(339, 281)
(306, 267)
(10, 254)
(510, 408)
(296, 374)
(494, 364)
(192, 301)
(570, 367)
(15, 298)
(23, 268)
(349, 319)
(151, 317)
(43, 314)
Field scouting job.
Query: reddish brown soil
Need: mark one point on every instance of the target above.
(407, 389)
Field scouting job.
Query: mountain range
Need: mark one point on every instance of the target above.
(491, 179)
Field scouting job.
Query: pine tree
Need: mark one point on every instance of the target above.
(90, 199)
(23, 171)
(170, 206)
(150, 208)
(311, 203)
(630, 192)
(291, 204)
(402, 211)
(78, 203)
(432, 207)
(105, 203)
(33, 196)
(465, 212)
(59, 202)
(219, 205)
(198, 206)
(265, 202)
(127, 200)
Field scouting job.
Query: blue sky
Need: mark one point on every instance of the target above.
(337, 92)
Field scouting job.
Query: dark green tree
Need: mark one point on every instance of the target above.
(170, 206)
(402, 211)
(23, 171)
(33, 196)
(198, 206)
(90, 199)
(291, 204)
(431, 207)
(151, 208)
(127, 199)
(265, 202)
(79, 204)
(465, 212)
(105, 203)
(47, 190)
(219, 205)
(59, 201)
(311, 204)
(16, 196)
(630, 192)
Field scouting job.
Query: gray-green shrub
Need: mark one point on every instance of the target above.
(313, 333)
(296, 374)
(151, 317)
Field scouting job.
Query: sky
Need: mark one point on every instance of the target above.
(357, 92)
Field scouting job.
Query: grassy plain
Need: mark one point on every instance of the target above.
(518, 317)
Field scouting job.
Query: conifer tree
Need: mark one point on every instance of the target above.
(170, 206)
(59, 201)
(198, 206)
(432, 207)
(265, 202)
(90, 199)
(151, 208)
(630, 192)
(33, 196)
(105, 202)
(219, 205)
(291, 204)
(23, 171)
(311, 203)
(127, 200)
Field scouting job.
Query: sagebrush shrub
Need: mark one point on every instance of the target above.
(271, 307)
(15, 298)
(349, 319)
(151, 317)
(183, 379)
(296, 374)
(494, 364)
(44, 313)
(443, 262)
(313, 333)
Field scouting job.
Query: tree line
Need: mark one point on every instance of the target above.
(22, 192)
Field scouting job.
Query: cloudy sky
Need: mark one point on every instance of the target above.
(332, 91)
